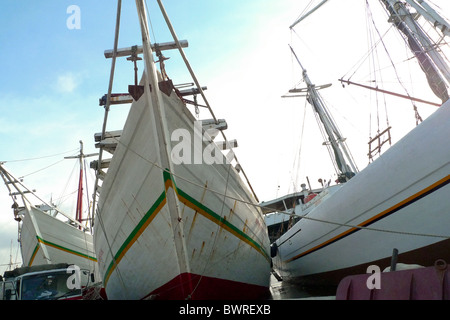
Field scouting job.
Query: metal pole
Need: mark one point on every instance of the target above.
(394, 259)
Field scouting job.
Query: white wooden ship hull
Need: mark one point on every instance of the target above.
(403, 197)
(213, 247)
(45, 239)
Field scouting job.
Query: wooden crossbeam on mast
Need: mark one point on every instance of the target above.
(390, 92)
(123, 52)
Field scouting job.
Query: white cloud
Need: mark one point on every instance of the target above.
(68, 82)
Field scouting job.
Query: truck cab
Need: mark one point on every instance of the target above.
(46, 282)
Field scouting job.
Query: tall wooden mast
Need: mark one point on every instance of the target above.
(431, 62)
(341, 157)
(80, 157)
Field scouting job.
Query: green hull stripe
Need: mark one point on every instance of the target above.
(137, 231)
(36, 249)
(191, 203)
(211, 215)
(54, 245)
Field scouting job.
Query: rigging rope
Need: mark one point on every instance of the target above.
(108, 103)
(199, 87)
(296, 163)
(393, 66)
(38, 158)
(51, 165)
(150, 21)
(63, 195)
(283, 212)
(373, 45)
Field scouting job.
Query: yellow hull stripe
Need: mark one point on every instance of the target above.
(191, 203)
(435, 186)
(56, 246)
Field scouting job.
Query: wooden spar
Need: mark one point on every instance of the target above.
(107, 105)
(155, 101)
(8, 177)
(391, 93)
(307, 14)
(421, 46)
(342, 159)
(200, 88)
(122, 52)
(79, 210)
(431, 15)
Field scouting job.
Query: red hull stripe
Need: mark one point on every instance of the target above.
(197, 287)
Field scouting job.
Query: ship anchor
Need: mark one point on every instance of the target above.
(136, 91)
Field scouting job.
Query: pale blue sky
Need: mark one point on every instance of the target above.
(52, 77)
